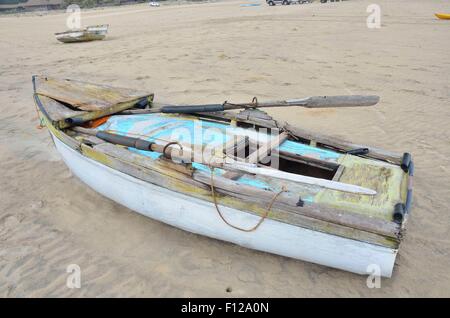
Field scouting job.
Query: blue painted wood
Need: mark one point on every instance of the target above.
(306, 150)
(184, 129)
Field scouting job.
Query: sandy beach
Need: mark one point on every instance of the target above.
(209, 53)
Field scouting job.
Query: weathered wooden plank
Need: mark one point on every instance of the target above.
(163, 167)
(90, 115)
(344, 146)
(264, 151)
(274, 173)
(339, 173)
(259, 154)
(315, 162)
(56, 110)
(184, 168)
(235, 144)
(86, 96)
(88, 139)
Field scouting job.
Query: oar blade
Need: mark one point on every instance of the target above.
(336, 101)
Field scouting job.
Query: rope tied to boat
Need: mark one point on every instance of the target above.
(263, 217)
(165, 154)
(251, 105)
(41, 120)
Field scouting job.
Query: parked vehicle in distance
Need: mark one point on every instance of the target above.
(153, 4)
(286, 2)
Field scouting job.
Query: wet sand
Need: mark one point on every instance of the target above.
(210, 53)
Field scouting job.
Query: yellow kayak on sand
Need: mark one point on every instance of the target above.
(444, 16)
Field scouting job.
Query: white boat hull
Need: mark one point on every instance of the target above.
(198, 216)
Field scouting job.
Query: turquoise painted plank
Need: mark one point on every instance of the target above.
(203, 133)
(305, 150)
(182, 129)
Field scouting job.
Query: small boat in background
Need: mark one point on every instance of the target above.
(90, 33)
(443, 16)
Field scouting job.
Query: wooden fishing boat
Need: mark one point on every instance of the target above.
(443, 16)
(90, 33)
(206, 170)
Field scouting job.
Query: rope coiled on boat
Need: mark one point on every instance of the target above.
(253, 104)
(41, 121)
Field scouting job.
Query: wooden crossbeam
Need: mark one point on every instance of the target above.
(236, 144)
(259, 154)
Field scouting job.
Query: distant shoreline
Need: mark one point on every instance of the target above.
(36, 10)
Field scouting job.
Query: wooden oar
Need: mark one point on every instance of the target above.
(187, 156)
(309, 102)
